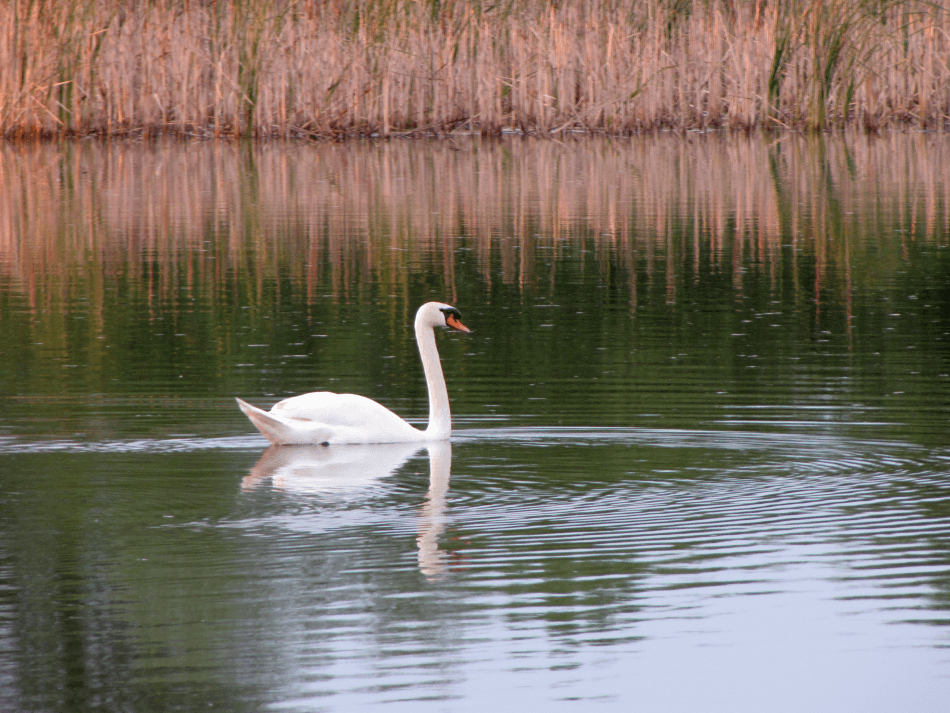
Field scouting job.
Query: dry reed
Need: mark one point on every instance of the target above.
(279, 68)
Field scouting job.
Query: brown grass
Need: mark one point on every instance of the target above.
(278, 68)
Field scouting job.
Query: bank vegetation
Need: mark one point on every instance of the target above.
(338, 68)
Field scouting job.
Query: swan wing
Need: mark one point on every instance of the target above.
(326, 417)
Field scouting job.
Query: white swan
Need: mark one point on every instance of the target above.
(326, 418)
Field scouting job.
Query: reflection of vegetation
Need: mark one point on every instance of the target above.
(212, 222)
(162, 269)
(344, 67)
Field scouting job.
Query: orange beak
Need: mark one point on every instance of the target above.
(452, 322)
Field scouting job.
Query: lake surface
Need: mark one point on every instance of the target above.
(700, 462)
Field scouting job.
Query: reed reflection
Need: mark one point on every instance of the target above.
(210, 220)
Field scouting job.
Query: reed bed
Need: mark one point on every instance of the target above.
(336, 68)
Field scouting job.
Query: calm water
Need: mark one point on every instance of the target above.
(701, 458)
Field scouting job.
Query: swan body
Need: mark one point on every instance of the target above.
(323, 417)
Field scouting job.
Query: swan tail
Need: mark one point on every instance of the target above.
(273, 429)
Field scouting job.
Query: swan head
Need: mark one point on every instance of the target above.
(439, 314)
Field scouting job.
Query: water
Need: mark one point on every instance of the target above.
(700, 461)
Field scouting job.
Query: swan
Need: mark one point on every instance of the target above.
(326, 418)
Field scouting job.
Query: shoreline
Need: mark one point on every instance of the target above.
(155, 135)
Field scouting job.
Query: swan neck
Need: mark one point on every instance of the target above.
(440, 418)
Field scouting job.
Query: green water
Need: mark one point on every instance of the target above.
(700, 461)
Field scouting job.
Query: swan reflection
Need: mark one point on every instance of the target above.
(433, 561)
(321, 469)
(336, 469)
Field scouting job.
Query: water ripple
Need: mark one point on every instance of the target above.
(183, 444)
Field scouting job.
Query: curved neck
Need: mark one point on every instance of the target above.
(440, 419)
